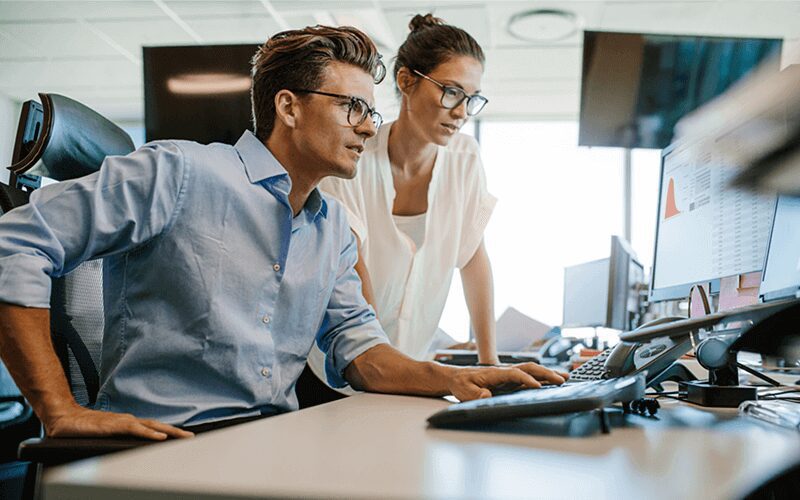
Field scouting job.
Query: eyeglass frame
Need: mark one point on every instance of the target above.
(371, 112)
(444, 88)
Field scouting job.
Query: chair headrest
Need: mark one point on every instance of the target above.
(74, 141)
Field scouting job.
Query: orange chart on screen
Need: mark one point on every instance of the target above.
(671, 209)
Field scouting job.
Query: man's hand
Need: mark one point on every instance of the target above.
(83, 422)
(476, 383)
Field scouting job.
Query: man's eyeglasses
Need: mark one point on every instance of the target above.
(452, 97)
(357, 108)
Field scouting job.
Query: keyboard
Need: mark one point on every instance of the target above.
(549, 400)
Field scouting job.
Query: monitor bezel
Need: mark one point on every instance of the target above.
(783, 293)
(617, 313)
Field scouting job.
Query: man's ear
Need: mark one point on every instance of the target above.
(405, 80)
(287, 108)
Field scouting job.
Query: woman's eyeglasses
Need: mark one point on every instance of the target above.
(357, 108)
(452, 97)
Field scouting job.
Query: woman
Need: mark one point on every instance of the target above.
(419, 204)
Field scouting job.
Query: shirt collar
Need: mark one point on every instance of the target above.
(259, 162)
(261, 165)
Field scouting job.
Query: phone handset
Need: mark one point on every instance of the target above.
(620, 361)
(630, 357)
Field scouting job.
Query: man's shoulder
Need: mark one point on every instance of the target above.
(203, 159)
(190, 149)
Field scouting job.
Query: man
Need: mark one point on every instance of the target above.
(222, 264)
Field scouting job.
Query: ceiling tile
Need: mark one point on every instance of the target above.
(534, 63)
(57, 39)
(232, 8)
(64, 10)
(44, 77)
(241, 29)
(747, 19)
(133, 35)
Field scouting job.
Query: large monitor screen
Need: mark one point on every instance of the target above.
(636, 86)
(781, 277)
(199, 93)
(705, 229)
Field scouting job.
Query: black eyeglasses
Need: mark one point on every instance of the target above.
(452, 97)
(357, 108)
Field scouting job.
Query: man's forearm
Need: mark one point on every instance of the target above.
(27, 351)
(385, 369)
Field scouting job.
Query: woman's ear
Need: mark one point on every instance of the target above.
(405, 80)
(287, 108)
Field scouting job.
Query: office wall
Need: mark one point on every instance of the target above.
(9, 114)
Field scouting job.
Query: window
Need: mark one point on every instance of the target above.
(558, 205)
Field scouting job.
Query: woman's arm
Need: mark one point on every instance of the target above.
(363, 273)
(476, 277)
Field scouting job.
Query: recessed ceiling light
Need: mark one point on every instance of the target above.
(543, 25)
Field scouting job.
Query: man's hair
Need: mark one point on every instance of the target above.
(298, 58)
(432, 42)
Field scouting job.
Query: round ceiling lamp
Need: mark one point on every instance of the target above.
(543, 25)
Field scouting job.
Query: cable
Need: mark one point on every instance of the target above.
(760, 375)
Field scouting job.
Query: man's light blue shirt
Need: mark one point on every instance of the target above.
(213, 292)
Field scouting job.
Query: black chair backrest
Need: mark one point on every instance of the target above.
(73, 142)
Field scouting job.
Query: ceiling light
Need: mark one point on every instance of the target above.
(543, 25)
(208, 83)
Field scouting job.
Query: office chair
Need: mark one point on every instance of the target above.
(62, 139)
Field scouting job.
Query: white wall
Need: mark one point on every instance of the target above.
(9, 115)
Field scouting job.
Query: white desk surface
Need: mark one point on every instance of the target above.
(379, 446)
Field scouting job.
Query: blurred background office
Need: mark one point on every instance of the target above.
(559, 202)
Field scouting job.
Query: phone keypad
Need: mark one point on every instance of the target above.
(593, 369)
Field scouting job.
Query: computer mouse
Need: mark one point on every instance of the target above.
(507, 388)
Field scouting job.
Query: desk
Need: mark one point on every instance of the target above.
(373, 446)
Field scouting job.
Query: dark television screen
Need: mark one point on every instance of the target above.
(635, 87)
(200, 93)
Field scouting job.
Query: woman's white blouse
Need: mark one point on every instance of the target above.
(411, 283)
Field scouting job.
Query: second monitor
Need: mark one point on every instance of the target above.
(605, 292)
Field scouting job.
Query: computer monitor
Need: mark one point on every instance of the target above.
(586, 294)
(604, 292)
(705, 229)
(200, 93)
(636, 86)
(781, 276)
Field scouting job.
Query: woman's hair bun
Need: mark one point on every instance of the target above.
(420, 22)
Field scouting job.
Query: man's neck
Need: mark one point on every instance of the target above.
(302, 183)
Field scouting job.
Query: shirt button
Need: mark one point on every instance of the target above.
(265, 372)
(265, 319)
(276, 267)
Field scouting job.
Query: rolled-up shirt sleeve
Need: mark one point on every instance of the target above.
(128, 201)
(349, 327)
